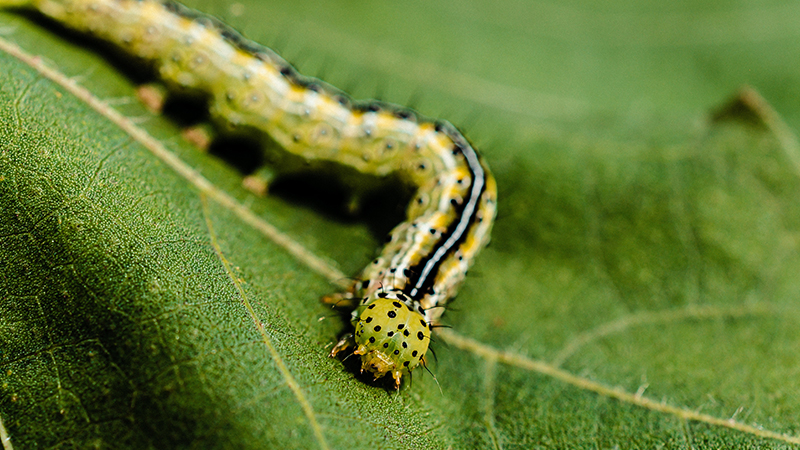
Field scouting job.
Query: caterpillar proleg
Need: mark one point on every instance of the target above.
(402, 293)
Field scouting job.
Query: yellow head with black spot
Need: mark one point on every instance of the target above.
(390, 336)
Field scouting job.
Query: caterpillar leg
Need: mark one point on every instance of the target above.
(346, 342)
(341, 300)
(259, 181)
(153, 96)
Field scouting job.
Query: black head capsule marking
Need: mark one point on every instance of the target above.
(385, 345)
(383, 294)
(371, 306)
(401, 326)
(414, 353)
(391, 314)
(420, 335)
(390, 334)
(396, 305)
(372, 340)
(397, 352)
(369, 319)
(378, 328)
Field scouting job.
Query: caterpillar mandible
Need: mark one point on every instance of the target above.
(402, 293)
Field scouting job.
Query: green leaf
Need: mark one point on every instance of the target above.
(640, 290)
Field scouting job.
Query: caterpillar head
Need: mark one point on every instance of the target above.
(391, 338)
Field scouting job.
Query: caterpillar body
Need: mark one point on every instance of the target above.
(402, 293)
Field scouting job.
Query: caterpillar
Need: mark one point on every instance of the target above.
(402, 293)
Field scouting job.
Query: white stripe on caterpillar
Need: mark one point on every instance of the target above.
(404, 291)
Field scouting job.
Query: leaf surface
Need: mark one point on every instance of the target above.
(640, 290)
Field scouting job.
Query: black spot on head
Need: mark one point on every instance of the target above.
(420, 336)
(422, 322)
(391, 314)
(371, 306)
(378, 328)
(414, 353)
(401, 326)
(372, 340)
(405, 344)
(406, 333)
(383, 294)
(364, 300)
(385, 345)
(405, 363)
(397, 352)
(396, 305)
(369, 319)
(390, 334)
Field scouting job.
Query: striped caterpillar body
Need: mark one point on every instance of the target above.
(402, 293)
